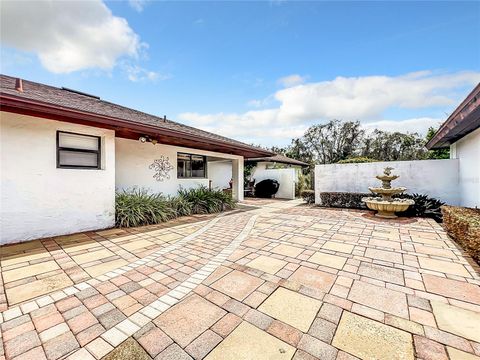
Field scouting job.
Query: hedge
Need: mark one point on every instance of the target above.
(357, 160)
(463, 225)
(424, 206)
(308, 196)
(350, 200)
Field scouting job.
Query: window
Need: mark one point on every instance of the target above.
(191, 166)
(77, 151)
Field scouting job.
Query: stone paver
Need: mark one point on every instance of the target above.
(280, 281)
(187, 320)
(455, 320)
(369, 339)
(380, 298)
(267, 264)
(329, 260)
(317, 279)
(237, 284)
(292, 308)
(452, 288)
(249, 342)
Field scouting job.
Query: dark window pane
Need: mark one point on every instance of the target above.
(76, 141)
(198, 168)
(76, 158)
(190, 166)
(78, 150)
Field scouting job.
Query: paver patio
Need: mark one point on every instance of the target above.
(279, 282)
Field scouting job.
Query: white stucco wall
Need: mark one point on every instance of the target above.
(37, 199)
(133, 159)
(467, 151)
(286, 178)
(220, 173)
(436, 178)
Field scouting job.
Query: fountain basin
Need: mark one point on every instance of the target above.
(388, 192)
(387, 177)
(387, 209)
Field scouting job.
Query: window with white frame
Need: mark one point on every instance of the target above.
(78, 151)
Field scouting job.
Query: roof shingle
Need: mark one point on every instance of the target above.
(69, 100)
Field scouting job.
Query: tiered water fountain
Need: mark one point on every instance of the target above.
(385, 205)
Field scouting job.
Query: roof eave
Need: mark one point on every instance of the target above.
(15, 104)
(465, 119)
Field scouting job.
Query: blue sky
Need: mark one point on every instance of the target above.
(260, 72)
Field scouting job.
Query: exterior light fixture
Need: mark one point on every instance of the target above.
(142, 139)
(154, 141)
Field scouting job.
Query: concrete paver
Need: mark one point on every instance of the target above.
(281, 281)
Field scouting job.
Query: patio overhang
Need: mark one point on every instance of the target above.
(125, 128)
(464, 120)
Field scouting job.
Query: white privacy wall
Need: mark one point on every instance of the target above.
(285, 177)
(436, 178)
(467, 151)
(133, 159)
(220, 173)
(37, 199)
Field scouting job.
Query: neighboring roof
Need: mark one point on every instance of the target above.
(464, 120)
(279, 159)
(66, 105)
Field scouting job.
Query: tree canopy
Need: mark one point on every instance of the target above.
(339, 141)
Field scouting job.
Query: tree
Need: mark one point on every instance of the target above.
(338, 140)
(331, 142)
(437, 153)
(387, 146)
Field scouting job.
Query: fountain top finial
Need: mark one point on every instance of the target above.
(388, 170)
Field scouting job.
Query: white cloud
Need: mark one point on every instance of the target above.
(291, 80)
(68, 36)
(369, 96)
(136, 73)
(137, 5)
(418, 125)
(356, 98)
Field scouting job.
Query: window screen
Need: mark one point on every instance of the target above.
(191, 166)
(77, 151)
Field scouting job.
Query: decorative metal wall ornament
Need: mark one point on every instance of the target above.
(162, 168)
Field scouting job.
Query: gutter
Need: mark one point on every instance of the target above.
(463, 110)
(15, 104)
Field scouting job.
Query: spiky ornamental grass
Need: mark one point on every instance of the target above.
(138, 207)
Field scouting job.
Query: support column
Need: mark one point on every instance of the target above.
(237, 176)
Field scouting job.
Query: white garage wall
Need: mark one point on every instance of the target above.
(37, 199)
(467, 151)
(437, 178)
(285, 177)
(133, 159)
(220, 173)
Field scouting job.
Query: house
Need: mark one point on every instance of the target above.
(278, 167)
(64, 153)
(461, 132)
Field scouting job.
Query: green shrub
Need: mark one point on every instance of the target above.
(308, 196)
(350, 200)
(181, 206)
(424, 206)
(463, 225)
(205, 201)
(303, 183)
(356, 160)
(137, 207)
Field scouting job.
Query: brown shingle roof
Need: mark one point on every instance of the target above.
(74, 101)
(279, 159)
(464, 120)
